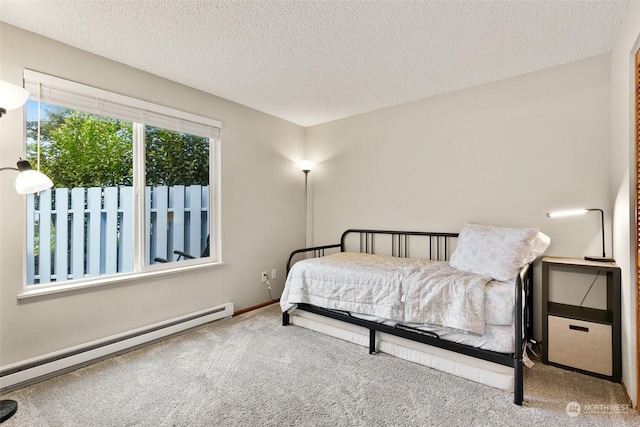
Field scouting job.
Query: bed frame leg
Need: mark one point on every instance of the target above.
(518, 384)
(372, 341)
(285, 318)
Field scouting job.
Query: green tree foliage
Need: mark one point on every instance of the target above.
(175, 158)
(85, 150)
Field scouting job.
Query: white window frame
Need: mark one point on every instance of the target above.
(64, 93)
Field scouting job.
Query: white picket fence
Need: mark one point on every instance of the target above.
(84, 232)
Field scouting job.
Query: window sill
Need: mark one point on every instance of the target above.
(107, 280)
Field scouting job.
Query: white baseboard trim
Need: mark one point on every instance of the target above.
(27, 372)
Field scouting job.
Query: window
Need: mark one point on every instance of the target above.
(99, 147)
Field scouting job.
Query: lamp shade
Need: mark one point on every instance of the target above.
(31, 181)
(12, 96)
(306, 165)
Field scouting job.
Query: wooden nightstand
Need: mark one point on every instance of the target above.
(576, 336)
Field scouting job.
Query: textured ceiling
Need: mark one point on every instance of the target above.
(311, 62)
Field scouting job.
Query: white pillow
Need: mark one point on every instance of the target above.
(540, 244)
(497, 252)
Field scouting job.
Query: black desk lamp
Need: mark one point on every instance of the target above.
(604, 257)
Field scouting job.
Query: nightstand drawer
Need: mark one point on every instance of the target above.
(580, 344)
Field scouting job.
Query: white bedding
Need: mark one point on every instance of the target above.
(354, 282)
(394, 288)
(441, 295)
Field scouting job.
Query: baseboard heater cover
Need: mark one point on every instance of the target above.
(21, 374)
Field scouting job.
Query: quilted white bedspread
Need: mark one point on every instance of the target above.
(405, 290)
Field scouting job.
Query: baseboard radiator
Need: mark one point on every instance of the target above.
(24, 373)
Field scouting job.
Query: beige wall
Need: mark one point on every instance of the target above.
(262, 210)
(623, 182)
(503, 153)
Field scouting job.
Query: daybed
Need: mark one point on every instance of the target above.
(460, 303)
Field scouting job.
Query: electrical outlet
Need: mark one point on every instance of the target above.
(274, 274)
(264, 276)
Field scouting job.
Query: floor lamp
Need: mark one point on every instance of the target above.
(306, 166)
(28, 181)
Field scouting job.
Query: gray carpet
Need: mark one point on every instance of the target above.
(250, 371)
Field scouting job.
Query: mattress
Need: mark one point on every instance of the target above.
(481, 371)
(498, 297)
(497, 338)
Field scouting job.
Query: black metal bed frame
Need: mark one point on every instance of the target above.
(439, 247)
